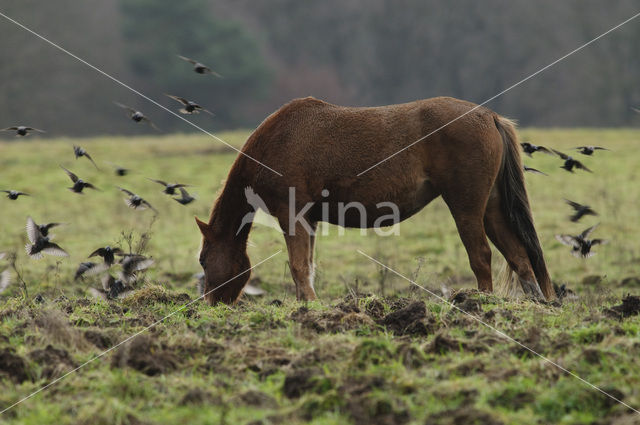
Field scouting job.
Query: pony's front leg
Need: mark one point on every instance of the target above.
(300, 262)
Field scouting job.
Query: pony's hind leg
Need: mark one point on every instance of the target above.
(468, 218)
(510, 246)
(301, 262)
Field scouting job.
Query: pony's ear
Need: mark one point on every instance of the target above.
(204, 227)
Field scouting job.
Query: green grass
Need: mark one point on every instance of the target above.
(334, 363)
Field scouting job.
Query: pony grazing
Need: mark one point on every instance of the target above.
(319, 150)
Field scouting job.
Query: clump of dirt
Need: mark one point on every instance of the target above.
(12, 366)
(631, 281)
(98, 338)
(332, 321)
(154, 294)
(467, 301)
(198, 396)
(375, 308)
(535, 340)
(145, 355)
(257, 399)
(409, 320)
(299, 382)
(442, 344)
(630, 307)
(55, 327)
(470, 367)
(412, 357)
(54, 361)
(463, 416)
(366, 410)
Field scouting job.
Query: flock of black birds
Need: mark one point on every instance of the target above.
(129, 264)
(580, 244)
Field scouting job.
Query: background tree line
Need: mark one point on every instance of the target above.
(354, 52)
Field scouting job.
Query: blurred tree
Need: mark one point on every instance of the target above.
(154, 36)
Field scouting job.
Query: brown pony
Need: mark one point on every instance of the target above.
(473, 163)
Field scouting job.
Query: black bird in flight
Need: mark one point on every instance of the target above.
(580, 210)
(533, 170)
(14, 194)
(136, 202)
(529, 149)
(170, 188)
(107, 253)
(580, 245)
(80, 152)
(137, 116)
(589, 150)
(41, 244)
(570, 163)
(185, 197)
(78, 183)
(199, 67)
(119, 171)
(112, 287)
(21, 130)
(190, 107)
(131, 264)
(89, 268)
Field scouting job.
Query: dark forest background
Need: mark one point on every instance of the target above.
(352, 52)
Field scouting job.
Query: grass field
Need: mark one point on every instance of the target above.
(370, 350)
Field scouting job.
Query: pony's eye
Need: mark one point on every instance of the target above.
(202, 263)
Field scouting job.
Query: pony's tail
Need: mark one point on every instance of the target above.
(515, 204)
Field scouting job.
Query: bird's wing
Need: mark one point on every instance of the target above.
(636, 110)
(179, 99)
(34, 255)
(90, 186)
(184, 193)
(51, 225)
(533, 170)
(575, 205)
(9, 128)
(107, 280)
(159, 182)
(544, 150)
(128, 192)
(72, 176)
(33, 232)
(208, 111)
(184, 58)
(91, 159)
(599, 242)
(585, 234)
(55, 249)
(142, 264)
(144, 202)
(5, 280)
(212, 72)
(100, 251)
(560, 154)
(568, 240)
(600, 148)
(23, 194)
(582, 166)
(34, 129)
(128, 108)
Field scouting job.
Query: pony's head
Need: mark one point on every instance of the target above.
(225, 264)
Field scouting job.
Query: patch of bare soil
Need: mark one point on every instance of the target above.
(462, 416)
(409, 320)
(146, 356)
(257, 399)
(333, 321)
(368, 411)
(535, 340)
(443, 343)
(630, 307)
(300, 381)
(98, 338)
(54, 361)
(198, 396)
(12, 366)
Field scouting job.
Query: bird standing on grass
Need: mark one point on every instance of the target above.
(199, 67)
(80, 152)
(190, 107)
(580, 210)
(78, 183)
(41, 244)
(137, 116)
(580, 245)
(136, 202)
(21, 130)
(14, 194)
(570, 163)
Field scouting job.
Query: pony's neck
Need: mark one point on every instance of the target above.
(228, 213)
